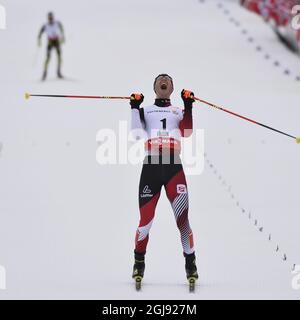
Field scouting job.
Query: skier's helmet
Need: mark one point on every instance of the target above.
(163, 86)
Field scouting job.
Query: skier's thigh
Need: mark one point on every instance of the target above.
(150, 182)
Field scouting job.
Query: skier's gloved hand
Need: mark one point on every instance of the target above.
(188, 99)
(136, 100)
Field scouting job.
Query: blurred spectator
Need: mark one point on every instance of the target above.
(278, 13)
(55, 33)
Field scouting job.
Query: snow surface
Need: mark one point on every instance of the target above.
(67, 224)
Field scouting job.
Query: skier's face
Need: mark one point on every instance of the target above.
(163, 87)
(50, 18)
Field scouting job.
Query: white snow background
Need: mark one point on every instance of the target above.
(67, 224)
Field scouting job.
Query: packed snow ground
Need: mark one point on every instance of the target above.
(67, 224)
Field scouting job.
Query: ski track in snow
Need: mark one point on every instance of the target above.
(250, 215)
(286, 71)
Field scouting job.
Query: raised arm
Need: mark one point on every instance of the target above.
(137, 116)
(40, 35)
(186, 124)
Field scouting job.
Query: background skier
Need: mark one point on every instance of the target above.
(56, 36)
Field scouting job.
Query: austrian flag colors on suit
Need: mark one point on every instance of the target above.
(154, 176)
(162, 126)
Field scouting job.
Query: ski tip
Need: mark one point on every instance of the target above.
(27, 96)
(298, 140)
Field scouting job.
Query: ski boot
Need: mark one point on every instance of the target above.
(191, 270)
(138, 269)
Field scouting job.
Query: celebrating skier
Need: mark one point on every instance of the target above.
(55, 33)
(163, 125)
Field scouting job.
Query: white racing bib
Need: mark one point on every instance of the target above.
(162, 128)
(53, 31)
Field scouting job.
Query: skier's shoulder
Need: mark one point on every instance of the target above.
(149, 107)
(176, 110)
(55, 23)
(154, 108)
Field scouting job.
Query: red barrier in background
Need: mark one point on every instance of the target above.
(277, 12)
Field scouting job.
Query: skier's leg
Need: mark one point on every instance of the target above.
(59, 59)
(149, 192)
(48, 56)
(177, 193)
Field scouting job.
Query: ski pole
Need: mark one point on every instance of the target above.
(29, 95)
(247, 119)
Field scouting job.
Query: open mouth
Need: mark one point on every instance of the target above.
(163, 86)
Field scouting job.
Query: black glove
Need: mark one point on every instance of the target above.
(136, 100)
(188, 99)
